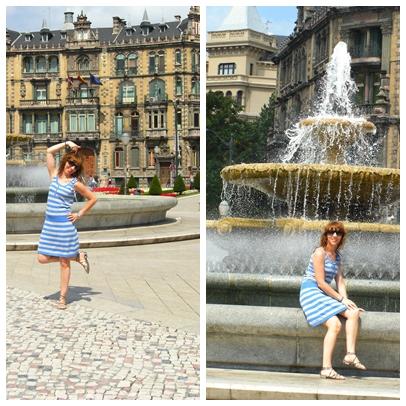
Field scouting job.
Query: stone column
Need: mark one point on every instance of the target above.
(386, 29)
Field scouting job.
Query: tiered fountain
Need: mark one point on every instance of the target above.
(328, 171)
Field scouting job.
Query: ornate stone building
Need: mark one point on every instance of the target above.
(150, 86)
(373, 39)
(239, 60)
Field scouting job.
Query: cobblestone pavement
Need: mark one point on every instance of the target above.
(83, 353)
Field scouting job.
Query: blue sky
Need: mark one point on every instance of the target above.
(282, 19)
(24, 18)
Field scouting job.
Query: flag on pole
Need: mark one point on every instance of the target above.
(80, 79)
(95, 80)
(70, 81)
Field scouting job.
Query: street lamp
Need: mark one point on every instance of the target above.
(156, 151)
(176, 138)
(125, 139)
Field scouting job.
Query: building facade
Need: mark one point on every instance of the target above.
(372, 35)
(94, 85)
(239, 61)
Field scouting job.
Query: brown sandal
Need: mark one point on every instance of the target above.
(61, 303)
(84, 262)
(355, 362)
(331, 374)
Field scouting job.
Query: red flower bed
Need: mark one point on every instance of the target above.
(169, 194)
(107, 190)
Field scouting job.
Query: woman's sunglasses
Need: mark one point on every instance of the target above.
(338, 233)
(73, 163)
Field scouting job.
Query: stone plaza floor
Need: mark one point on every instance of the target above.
(131, 329)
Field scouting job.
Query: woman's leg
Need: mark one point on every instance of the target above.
(351, 328)
(65, 276)
(333, 329)
(46, 259)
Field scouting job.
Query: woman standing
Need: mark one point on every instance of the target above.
(322, 304)
(59, 238)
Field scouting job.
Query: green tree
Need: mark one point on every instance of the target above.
(196, 181)
(179, 186)
(155, 186)
(132, 183)
(230, 139)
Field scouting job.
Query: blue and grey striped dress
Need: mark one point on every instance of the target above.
(59, 237)
(317, 306)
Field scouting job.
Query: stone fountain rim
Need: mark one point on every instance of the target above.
(337, 120)
(262, 170)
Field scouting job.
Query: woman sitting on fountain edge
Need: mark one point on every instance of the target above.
(322, 304)
(59, 238)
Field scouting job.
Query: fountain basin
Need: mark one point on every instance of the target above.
(109, 212)
(322, 191)
(27, 194)
(283, 291)
(280, 338)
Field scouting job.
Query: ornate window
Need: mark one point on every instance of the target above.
(40, 64)
(161, 62)
(196, 119)
(195, 86)
(151, 65)
(28, 64)
(119, 157)
(228, 93)
(82, 122)
(83, 63)
(178, 57)
(178, 86)
(83, 91)
(132, 64)
(157, 89)
(120, 64)
(40, 92)
(53, 64)
(127, 92)
(196, 61)
(156, 119)
(135, 157)
(239, 97)
(118, 124)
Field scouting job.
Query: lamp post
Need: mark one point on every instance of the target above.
(156, 151)
(125, 139)
(176, 138)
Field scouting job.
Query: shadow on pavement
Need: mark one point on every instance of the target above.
(76, 294)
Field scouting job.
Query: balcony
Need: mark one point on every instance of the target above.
(47, 138)
(156, 134)
(126, 102)
(370, 54)
(83, 136)
(156, 100)
(192, 134)
(41, 104)
(41, 75)
(82, 101)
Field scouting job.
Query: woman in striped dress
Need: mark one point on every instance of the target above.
(322, 305)
(59, 239)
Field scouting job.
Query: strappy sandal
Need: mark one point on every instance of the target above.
(84, 262)
(61, 303)
(355, 362)
(331, 374)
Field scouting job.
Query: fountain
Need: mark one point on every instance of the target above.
(328, 171)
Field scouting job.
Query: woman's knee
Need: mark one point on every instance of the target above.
(334, 324)
(353, 314)
(42, 259)
(64, 263)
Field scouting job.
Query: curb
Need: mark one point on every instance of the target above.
(31, 246)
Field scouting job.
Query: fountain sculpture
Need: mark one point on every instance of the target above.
(328, 171)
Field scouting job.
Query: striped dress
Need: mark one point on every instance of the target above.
(317, 306)
(59, 237)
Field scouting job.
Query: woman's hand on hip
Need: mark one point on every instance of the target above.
(73, 217)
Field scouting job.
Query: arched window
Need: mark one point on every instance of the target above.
(83, 91)
(40, 65)
(151, 64)
(228, 93)
(83, 63)
(135, 157)
(161, 62)
(195, 86)
(127, 92)
(132, 64)
(119, 157)
(28, 64)
(178, 86)
(239, 97)
(120, 64)
(53, 64)
(118, 124)
(157, 89)
(195, 61)
(178, 57)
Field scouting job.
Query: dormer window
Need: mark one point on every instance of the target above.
(44, 37)
(63, 35)
(163, 28)
(28, 37)
(129, 32)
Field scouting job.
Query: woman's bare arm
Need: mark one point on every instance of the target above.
(91, 201)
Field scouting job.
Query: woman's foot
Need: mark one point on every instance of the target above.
(82, 259)
(61, 303)
(352, 360)
(329, 373)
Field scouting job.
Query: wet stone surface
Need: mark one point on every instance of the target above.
(82, 353)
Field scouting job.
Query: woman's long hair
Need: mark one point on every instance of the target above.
(333, 226)
(73, 157)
